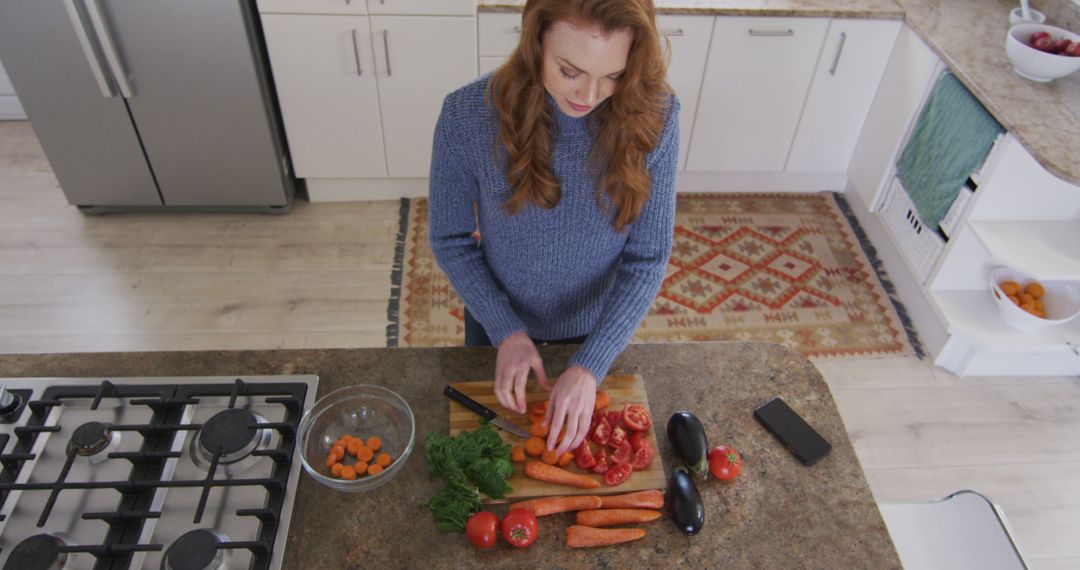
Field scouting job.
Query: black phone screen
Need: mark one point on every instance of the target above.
(806, 444)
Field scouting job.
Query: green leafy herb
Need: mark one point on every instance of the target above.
(474, 462)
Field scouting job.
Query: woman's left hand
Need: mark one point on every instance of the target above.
(571, 404)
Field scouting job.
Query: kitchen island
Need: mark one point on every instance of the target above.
(779, 514)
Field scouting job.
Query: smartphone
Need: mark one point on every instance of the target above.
(804, 443)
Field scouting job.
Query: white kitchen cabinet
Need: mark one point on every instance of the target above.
(689, 40)
(414, 75)
(349, 7)
(756, 81)
(498, 33)
(848, 73)
(422, 7)
(489, 64)
(324, 72)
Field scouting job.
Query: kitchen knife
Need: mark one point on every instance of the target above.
(485, 413)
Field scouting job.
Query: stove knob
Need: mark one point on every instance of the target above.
(8, 401)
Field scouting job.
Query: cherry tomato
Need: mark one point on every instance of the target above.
(602, 465)
(643, 455)
(519, 527)
(636, 417)
(617, 474)
(602, 433)
(623, 453)
(725, 463)
(583, 456)
(618, 437)
(482, 529)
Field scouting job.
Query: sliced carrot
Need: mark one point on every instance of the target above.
(361, 467)
(566, 458)
(534, 446)
(517, 454)
(332, 459)
(374, 469)
(549, 457)
(339, 450)
(552, 505)
(335, 470)
(348, 473)
(364, 454)
(353, 447)
(551, 474)
(579, 536)
(613, 517)
(651, 499)
(374, 443)
(383, 460)
(602, 400)
(538, 429)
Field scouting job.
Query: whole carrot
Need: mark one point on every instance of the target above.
(612, 517)
(582, 536)
(651, 499)
(551, 474)
(552, 505)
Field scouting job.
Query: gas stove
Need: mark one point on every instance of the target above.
(157, 473)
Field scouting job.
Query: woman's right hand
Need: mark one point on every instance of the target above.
(517, 355)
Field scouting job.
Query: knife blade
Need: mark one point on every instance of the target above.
(485, 412)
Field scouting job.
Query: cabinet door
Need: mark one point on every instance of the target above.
(755, 84)
(689, 37)
(847, 78)
(422, 7)
(325, 78)
(352, 7)
(414, 76)
(499, 33)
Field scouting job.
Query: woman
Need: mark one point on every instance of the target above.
(564, 159)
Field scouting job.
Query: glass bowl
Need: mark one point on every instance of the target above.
(360, 411)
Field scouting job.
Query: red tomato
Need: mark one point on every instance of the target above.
(601, 462)
(596, 417)
(623, 454)
(725, 463)
(613, 418)
(618, 436)
(637, 437)
(583, 456)
(617, 474)
(643, 456)
(601, 435)
(482, 529)
(519, 527)
(637, 418)
(1073, 50)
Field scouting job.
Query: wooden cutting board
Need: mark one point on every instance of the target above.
(622, 389)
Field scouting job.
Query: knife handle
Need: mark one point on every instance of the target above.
(468, 402)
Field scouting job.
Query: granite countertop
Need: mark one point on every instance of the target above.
(779, 514)
(969, 35)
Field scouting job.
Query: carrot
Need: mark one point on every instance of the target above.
(579, 536)
(383, 459)
(534, 418)
(332, 459)
(551, 474)
(361, 467)
(364, 453)
(538, 429)
(651, 499)
(602, 400)
(612, 517)
(549, 457)
(517, 454)
(566, 458)
(374, 469)
(552, 505)
(374, 443)
(348, 473)
(336, 469)
(534, 446)
(353, 447)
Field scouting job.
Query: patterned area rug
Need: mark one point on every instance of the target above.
(793, 269)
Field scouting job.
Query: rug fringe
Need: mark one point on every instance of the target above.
(883, 277)
(393, 307)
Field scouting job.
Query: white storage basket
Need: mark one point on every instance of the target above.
(919, 244)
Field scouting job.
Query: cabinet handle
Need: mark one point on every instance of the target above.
(386, 50)
(839, 50)
(772, 33)
(109, 47)
(356, 54)
(96, 68)
(517, 29)
(670, 33)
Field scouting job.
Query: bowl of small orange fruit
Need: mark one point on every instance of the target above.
(1029, 304)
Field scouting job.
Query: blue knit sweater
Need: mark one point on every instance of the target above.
(552, 273)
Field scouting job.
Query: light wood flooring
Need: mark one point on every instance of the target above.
(320, 278)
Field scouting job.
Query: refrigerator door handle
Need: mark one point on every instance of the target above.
(109, 47)
(82, 34)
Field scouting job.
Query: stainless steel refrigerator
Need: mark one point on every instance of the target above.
(150, 104)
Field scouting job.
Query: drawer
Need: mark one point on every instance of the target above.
(422, 7)
(354, 7)
(499, 33)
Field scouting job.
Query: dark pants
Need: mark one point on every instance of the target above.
(475, 335)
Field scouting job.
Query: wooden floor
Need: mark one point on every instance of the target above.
(320, 277)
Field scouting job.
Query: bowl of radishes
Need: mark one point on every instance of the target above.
(1042, 53)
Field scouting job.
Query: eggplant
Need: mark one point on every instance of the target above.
(688, 437)
(684, 503)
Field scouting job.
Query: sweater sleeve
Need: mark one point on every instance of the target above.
(643, 262)
(452, 191)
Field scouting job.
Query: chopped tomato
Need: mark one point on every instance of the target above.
(602, 465)
(601, 435)
(596, 417)
(637, 418)
(637, 437)
(643, 455)
(583, 456)
(623, 453)
(613, 418)
(539, 408)
(618, 437)
(617, 474)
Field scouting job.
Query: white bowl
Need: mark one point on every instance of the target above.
(1036, 65)
(1062, 301)
(1016, 16)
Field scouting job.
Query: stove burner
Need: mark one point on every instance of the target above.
(228, 432)
(196, 550)
(39, 552)
(90, 438)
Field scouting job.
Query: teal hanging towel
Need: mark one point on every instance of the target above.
(951, 139)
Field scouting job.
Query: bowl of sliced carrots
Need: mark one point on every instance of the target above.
(356, 438)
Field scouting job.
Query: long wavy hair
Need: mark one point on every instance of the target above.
(627, 126)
